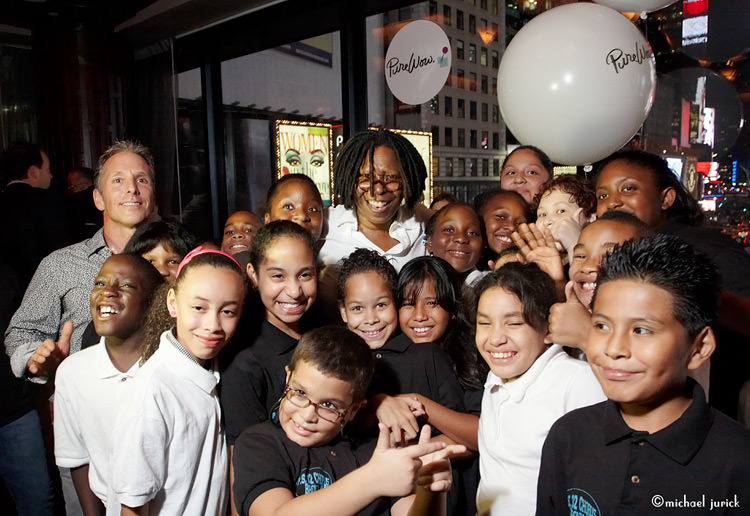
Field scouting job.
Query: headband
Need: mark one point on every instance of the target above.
(199, 251)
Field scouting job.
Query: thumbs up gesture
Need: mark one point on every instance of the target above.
(48, 356)
(569, 322)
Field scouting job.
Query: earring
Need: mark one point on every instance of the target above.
(172, 313)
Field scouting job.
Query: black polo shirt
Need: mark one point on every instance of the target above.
(265, 459)
(403, 367)
(254, 382)
(594, 464)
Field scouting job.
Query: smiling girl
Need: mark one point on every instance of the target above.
(169, 446)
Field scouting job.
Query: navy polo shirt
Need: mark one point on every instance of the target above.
(403, 367)
(594, 464)
(254, 382)
(264, 459)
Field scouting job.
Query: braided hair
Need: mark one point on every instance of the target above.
(362, 145)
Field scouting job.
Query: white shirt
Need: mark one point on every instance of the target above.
(516, 417)
(169, 447)
(344, 237)
(88, 394)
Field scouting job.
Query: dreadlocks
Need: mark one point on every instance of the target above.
(362, 145)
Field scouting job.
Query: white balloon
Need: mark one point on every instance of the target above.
(636, 6)
(576, 81)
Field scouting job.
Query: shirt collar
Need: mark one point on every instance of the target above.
(517, 388)
(96, 243)
(279, 341)
(398, 344)
(206, 379)
(105, 368)
(346, 217)
(681, 440)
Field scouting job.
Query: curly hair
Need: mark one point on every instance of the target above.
(579, 188)
(361, 148)
(361, 261)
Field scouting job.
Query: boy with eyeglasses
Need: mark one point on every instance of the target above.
(282, 465)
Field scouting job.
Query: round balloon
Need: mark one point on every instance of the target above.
(636, 6)
(576, 81)
(418, 62)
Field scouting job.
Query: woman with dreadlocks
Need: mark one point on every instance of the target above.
(378, 178)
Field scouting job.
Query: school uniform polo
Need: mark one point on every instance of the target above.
(593, 463)
(88, 395)
(254, 382)
(403, 367)
(516, 416)
(168, 446)
(264, 459)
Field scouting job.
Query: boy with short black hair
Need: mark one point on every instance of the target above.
(655, 446)
(89, 384)
(284, 464)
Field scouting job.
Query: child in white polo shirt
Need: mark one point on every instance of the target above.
(169, 453)
(529, 386)
(89, 384)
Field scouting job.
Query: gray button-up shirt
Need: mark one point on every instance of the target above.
(58, 292)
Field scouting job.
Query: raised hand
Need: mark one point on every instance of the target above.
(48, 356)
(569, 322)
(538, 246)
(396, 469)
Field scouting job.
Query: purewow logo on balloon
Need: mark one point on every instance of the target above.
(415, 62)
(619, 58)
(418, 62)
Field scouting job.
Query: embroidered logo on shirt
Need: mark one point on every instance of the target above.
(580, 503)
(310, 480)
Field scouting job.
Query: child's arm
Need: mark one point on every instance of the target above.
(538, 246)
(399, 414)
(459, 426)
(433, 481)
(390, 472)
(134, 511)
(569, 322)
(90, 504)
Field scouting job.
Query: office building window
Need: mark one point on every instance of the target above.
(433, 8)
(473, 167)
(435, 130)
(495, 4)
(447, 16)
(472, 110)
(460, 108)
(495, 31)
(473, 138)
(495, 114)
(404, 14)
(485, 167)
(483, 56)
(485, 112)
(459, 49)
(461, 169)
(460, 78)
(495, 141)
(485, 142)
(459, 19)
(495, 59)
(494, 85)
(472, 24)
(448, 137)
(472, 81)
(461, 137)
(448, 109)
(472, 53)
(449, 167)
(485, 80)
(435, 105)
(495, 167)
(483, 4)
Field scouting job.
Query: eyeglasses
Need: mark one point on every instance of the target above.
(390, 182)
(299, 399)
